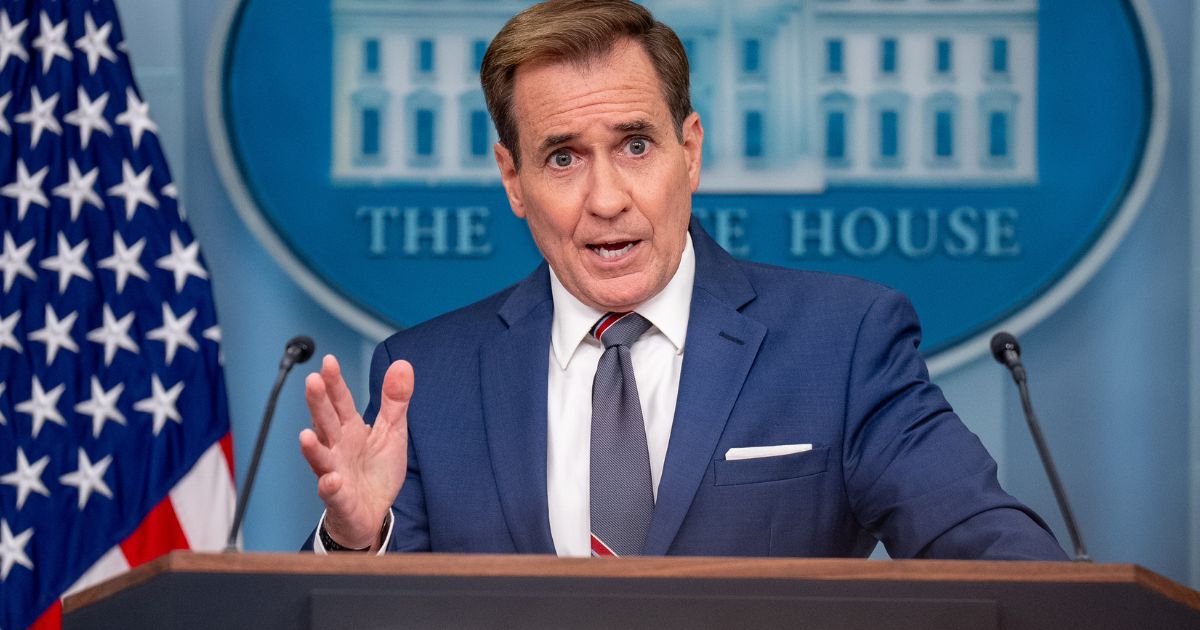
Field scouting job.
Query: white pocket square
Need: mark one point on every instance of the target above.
(756, 452)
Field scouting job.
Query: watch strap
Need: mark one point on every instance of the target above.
(330, 544)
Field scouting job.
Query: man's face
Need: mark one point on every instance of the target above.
(605, 184)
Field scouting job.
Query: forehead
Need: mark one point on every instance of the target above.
(566, 97)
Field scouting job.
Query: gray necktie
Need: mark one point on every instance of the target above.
(622, 499)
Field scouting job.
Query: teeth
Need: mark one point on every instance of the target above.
(612, 253)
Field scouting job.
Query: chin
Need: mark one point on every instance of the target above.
(621, 293)
(621, 301)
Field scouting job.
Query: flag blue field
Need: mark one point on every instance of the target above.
(114, 429)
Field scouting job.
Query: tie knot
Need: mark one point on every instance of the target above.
(620, 329)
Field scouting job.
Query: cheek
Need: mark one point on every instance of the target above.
(550, 229)
(678, 207)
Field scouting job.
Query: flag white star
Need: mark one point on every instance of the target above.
(182, 261)
(113, 334)
(12, 549)
(10, 40)
(15, 260)
(42, 406)
(161, 403)
(134, 187)
(68, 263)
(40, 116)
(213, 334)
(7, 339)
(124, 261)
(27, 478)
(88, 115)
(4, 101)
(136, 116)
(95, 43)
(79, 189)
(88, 478)
(102, 406)
(27, 189)
(50, 41)
(174, 332)
(56, 334)
(170, 191)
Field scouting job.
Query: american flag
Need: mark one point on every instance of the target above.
(114, 428)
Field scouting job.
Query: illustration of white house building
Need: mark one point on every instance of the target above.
(795, 95)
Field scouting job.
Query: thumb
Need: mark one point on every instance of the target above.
(396, 393)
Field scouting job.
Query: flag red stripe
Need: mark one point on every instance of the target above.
(227, 446)
(158, 534)
(51, 619)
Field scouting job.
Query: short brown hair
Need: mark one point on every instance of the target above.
(578, 31)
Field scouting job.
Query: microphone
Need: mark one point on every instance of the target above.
(298, 350)
(1007, 352)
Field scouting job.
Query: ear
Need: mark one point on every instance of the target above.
(693, 147)
(508, 177)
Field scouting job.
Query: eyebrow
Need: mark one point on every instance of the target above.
(556, 140)
(635, 125)
(632, 126)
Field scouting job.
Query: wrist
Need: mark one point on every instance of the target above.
(332, 542)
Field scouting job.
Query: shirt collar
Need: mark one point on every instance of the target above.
(668, 310)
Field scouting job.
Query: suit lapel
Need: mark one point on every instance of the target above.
(513, 371)
(721, 346)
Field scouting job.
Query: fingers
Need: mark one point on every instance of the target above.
(398, 385)
(316, 454)
(324, 418)
(320, 459)
(327, 489)
(335, 387)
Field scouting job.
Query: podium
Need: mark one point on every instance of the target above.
(276, 591)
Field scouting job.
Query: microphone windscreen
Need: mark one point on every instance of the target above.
(1002, 342)
(301, 348)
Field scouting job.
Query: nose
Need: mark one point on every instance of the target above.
(608, 191)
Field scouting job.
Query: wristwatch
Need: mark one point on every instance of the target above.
(330, 544)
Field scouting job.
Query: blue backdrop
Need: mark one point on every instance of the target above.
(1113, 371)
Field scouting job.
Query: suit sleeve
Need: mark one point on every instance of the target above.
(916, 477)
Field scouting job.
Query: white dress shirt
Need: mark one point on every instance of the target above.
(657, 362)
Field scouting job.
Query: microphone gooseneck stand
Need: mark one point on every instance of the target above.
(1007, 352)
(299, 349)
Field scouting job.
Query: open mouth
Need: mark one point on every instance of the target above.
(613, 250)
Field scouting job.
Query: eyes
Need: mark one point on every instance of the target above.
(563, 158)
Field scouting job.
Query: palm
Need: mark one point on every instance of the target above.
(360, 468)
(372, 466)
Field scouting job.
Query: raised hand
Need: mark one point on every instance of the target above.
(359, 468)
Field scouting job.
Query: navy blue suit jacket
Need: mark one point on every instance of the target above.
(773, 356)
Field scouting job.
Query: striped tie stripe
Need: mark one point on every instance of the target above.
(601, 550)
(606, 322)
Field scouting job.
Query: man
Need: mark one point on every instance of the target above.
(744, 410)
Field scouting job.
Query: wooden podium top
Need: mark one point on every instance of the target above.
(824, 570)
